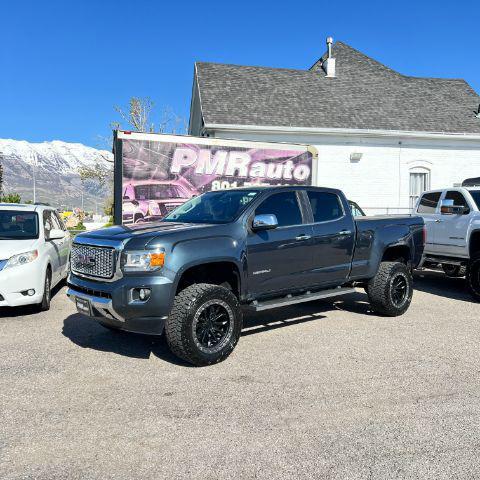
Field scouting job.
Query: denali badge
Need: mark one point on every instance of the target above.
(259, 272)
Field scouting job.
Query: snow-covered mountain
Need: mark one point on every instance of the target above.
(55, 165)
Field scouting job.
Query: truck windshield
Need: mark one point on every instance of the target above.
(18, 225)
(476, 196)
(213, 207)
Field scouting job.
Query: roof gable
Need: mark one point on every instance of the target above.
(365, 94)
(352, 62)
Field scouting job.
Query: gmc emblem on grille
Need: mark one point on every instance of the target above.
(85, 260)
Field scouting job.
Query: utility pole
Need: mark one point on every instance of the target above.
(34, 165)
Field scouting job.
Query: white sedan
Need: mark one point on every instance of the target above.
(34, 254)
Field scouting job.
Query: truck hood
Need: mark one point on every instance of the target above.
(9, 248)
(143, 232)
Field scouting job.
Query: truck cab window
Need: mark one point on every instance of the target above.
(428, 202)
(284, 206)
(325, 206)
(457, 197)
(476, 197)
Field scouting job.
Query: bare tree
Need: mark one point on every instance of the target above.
(137, 117)
(99, 172)
(138, 114)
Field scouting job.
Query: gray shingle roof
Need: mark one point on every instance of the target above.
(364, 95)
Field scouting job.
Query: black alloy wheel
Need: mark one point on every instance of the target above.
(399, 290)
(204, 324)
(390, 291)
(212, 323)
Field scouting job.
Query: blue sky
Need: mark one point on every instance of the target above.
(65, 64)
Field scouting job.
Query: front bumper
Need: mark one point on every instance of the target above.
(14, 281)
(112, 304)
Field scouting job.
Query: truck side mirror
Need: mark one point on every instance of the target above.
(56, 234)
(264, 222)
(448, 208)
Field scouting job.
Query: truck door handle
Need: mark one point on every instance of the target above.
(303, 237)
(438, 220)
(344, 232)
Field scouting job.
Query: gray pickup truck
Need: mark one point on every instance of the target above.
(192, 274)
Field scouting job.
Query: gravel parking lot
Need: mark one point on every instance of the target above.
(320, 390)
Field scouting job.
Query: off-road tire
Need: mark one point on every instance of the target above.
(473, 277)
(44, 305)
(454, 271)
(383, 289)
(182, 323)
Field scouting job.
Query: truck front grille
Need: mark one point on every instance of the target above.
(93, 261)
(89, 291)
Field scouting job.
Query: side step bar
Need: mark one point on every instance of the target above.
(292, 299)
(449, 260)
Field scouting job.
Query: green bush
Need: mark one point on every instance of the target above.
(11, 198)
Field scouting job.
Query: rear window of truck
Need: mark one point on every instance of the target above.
(325, 206)
(476, 196)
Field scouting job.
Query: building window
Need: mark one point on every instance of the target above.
(419, 182)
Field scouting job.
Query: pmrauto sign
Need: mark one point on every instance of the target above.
(156, 173)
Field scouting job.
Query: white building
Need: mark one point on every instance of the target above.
(382, 137)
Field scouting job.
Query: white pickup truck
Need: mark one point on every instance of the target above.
(452, 220)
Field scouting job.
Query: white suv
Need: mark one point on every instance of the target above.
(34, 254)
(452, 220)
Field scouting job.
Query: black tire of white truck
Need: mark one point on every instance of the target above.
(390, 290)
(473, 277)
(454, 271)
(204, 325)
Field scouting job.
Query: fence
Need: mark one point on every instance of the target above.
(387, 210)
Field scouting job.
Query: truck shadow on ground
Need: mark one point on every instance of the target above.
(259, 322)
(354, 303)
(87, 333)
(304, 312)
(437, 283)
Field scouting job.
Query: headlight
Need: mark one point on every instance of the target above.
(143, 261)
(21, 259)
